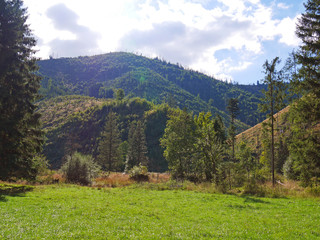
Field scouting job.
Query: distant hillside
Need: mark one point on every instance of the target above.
(253, 135)
(153, 79)
(75, 123)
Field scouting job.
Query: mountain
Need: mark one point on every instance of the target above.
(155, 80)
(75, 123)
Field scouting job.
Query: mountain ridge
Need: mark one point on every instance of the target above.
(153, 79)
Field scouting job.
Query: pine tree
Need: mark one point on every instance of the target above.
(137, 149)
(109, 155)
(20, 135)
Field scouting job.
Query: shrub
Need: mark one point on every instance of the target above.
(139, 173)
(80, 169)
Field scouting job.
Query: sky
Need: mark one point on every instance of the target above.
(227, 39)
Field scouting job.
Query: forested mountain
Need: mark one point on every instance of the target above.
(76, 123)
(153, 79)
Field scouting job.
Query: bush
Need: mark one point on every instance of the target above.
(139, 173)
(80, 169)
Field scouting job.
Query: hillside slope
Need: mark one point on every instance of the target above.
(153, 79)
(75, 123)
(253, 136)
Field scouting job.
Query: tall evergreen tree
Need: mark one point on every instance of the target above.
(109, 155)
(137, 149)
(273, 100)
(305, 113)
(233, 108)
(20, 135)
(309, 52)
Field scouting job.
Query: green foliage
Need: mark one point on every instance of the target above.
(139, 173)
(309, 52)
(119, 94)
(109, 154)
(209, 147)
(193, 147)
(304, 143)
(246, 159)
(273, 101)
(233, 108)
(179, 140)
(288, 170)
(20, 134)
(80, 169)
(137, 148)
(156, 120)
(152, 79)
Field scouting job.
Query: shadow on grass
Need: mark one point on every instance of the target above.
(3, 198)
(13, 190)
(249, 199)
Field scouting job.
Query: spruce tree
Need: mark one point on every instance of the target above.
(305, 113)
(233, 108)
(109, 154)
(309, 53)
(20, 135)
(137, 149)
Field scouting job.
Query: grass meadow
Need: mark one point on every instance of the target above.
(134, 212)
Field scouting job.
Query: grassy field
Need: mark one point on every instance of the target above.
(74, 212)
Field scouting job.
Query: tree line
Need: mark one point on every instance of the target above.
(197, 147)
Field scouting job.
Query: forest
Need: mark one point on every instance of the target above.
(120, 111)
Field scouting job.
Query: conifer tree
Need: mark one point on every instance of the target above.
(20, 135)
(305, 113)
(233, 108)
(309, 52)
(109, 155)
(137, 149)
(272, 101)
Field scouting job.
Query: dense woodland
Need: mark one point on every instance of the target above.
(153, 79)
(124, 112)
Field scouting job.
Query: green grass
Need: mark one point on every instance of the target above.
(64, 212)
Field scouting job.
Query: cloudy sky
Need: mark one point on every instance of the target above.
(227, 39)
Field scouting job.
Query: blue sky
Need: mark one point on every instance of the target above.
(227, 39)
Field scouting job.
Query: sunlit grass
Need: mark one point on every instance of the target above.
(64, 212)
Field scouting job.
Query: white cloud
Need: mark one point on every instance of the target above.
(186, 31)
(286, 29)
(282, 6)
